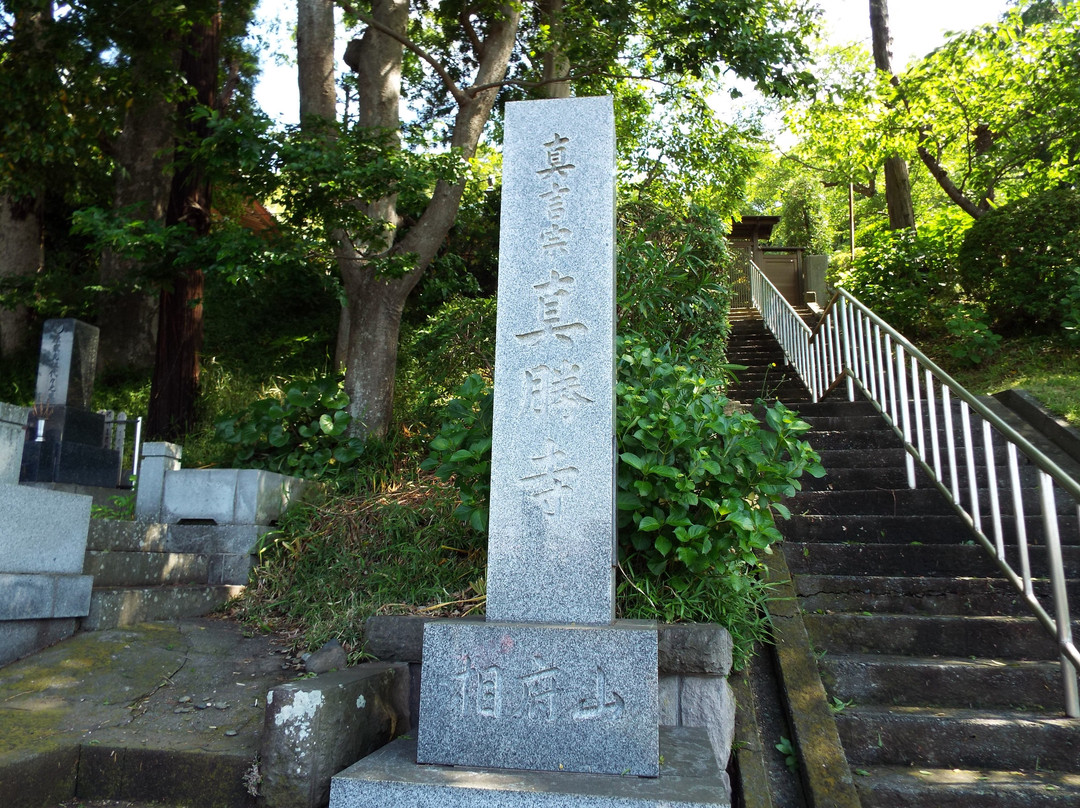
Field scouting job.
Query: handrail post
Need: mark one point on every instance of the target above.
(1061, 597)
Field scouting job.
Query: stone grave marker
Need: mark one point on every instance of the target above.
(550, 681)
(65, 440)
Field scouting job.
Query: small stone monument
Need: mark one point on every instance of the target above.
(550, 682)
(65, 439)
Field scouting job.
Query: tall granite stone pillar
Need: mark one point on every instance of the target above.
(550, 682)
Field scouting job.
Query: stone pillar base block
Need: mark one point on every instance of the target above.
(534, 696)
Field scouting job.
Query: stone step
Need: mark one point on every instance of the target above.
(947, 737)
(111, 607)
(927, 787)
(871, 502)
(901, 529)
(926, 501)
(837, 405)
(931, 635)
(841, 478)
(145, 569)
(126, 536)
(930, 560)
(983, 684)
(919, 595)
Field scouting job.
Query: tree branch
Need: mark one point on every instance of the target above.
(434, 63)
(470, 34)
(944, 180)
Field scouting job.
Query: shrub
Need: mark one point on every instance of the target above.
(699, 479)
(699, 483)
(971, 341)
(907, 279)
(303, 433)
(1019, 260)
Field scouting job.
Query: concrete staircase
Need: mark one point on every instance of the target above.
(139, 576)
(945, 691)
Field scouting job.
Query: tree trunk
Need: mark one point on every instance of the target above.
(375, 303)
(315, 59)
(22, 254)
(128, 317)
(175, 384)
(318, 103)
(897, 181)
(22, 230)
(556, 63)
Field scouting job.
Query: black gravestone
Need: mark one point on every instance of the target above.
(65, 439)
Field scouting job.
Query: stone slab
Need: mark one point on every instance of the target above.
(547, 697)
(19, 638)
(390, 778)
(551, 532)
(684, 648)
(128, 606)
(227, 496)
(695, 648)
(206, 494)
(315, 727)
(33, 596)
(42, 530)
(67, 364)
(12, 437)
(233, 539)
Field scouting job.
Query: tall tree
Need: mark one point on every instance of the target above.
(455, 58)
(24, 70)
(175, 383)
(143, 153)
(897, 180)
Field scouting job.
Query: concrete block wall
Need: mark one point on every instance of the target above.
(170, 494)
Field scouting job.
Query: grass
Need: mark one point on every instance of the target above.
(1048, 368)
(391, 548)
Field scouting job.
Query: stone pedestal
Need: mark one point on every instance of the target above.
(689, 778)
(529, 696)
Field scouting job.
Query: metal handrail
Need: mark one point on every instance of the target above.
(916, 397)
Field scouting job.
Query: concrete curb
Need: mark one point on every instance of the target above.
(1054, 428)
(823, 765)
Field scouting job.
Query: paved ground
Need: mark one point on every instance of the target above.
(107, 715)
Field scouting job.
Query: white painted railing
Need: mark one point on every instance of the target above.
(977, 460)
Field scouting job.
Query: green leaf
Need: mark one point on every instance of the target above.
(649, 523)
(663, 544)
(631, 459)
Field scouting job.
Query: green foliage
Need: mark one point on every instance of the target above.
(972, 340)
(698, 485)
(303, 433)
(907, 279)
(121, 506)
(1070, 320)
(791, 756)
(698, 480)
(456, 341)
(671, 279)
(385, 549)
(1020, 260)
(461, 451)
